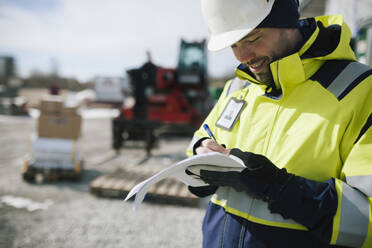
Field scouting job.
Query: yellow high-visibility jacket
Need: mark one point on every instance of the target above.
(317, 127)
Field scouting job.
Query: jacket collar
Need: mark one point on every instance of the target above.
(288, 70)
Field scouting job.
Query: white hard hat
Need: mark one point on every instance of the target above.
(230, 20)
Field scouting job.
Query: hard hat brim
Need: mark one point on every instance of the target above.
(226, 39)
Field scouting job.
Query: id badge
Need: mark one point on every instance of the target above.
(231, 113)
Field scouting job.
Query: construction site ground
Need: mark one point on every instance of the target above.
(66, 214)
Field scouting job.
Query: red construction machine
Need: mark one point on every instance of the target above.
(165, 99)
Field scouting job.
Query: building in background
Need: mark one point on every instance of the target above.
(310, 8)
(8, 83)
(111, 90)
(364, 41)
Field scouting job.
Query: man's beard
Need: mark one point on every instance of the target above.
(266, 76)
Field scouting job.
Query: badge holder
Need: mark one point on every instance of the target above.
(231, 113)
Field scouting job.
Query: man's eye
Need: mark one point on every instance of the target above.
(246, 41)
(253, 40)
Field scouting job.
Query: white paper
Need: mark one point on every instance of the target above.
(178, 170)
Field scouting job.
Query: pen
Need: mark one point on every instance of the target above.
(209, 132)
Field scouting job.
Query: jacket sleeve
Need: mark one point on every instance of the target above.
(352, 223)
(310, 203)
(337, 211)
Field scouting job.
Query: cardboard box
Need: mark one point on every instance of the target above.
(51, 106)
(59, 126)
(70, 111)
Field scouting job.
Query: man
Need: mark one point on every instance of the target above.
(298, 115)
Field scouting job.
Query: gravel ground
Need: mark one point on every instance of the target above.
(67, 215)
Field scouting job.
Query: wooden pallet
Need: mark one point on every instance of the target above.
(39, 175)
(119, 183)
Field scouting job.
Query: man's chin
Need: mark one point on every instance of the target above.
(265, 78)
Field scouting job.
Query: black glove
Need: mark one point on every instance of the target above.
(203, 191)
(261, 179)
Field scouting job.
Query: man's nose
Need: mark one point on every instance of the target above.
(245, 55)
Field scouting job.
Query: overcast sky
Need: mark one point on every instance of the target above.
(87, 38)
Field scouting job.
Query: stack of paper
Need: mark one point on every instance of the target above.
(218, 161)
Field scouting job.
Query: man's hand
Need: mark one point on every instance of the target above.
(206, 145)
(209, 145)
(261, 179)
